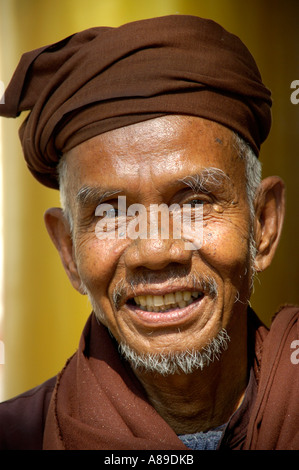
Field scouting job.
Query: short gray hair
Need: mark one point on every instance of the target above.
(253, 169)
(64, 192)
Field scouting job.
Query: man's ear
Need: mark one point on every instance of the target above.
(59, 231)
(269, 217)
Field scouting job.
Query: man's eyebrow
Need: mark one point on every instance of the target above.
(207, 180)
(89, 195)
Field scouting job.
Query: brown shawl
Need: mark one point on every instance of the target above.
(274, 422)
(99, 404)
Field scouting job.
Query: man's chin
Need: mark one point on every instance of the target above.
(183, 362)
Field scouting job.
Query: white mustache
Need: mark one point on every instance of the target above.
(199, 282)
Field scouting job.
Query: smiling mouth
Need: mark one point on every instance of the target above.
(165, 303)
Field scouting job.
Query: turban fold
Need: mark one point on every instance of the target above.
(104, 78)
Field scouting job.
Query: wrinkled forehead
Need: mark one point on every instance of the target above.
(161, 151)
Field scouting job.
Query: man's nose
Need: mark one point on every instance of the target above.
(156, 254)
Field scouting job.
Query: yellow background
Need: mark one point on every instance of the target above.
(42, 315)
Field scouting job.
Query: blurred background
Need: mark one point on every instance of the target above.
(41, 315)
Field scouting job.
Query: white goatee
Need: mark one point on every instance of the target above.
(184, 362)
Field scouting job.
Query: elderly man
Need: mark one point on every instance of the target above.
(160, 116)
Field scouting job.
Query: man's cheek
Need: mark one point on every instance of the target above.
(96, 260)
(223, 247)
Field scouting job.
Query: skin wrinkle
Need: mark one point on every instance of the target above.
(253, 178)
(205, 182)
(158, 152)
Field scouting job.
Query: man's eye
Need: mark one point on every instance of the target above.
(195, 202)
(112, 213)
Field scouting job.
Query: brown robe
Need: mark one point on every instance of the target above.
(97, 403)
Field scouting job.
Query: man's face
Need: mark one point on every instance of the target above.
(165, 160)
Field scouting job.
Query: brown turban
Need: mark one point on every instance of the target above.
(104, 78)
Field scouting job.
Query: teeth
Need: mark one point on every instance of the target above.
(149, 300)
(187, 295)
(158, 300)
(142, 301)
(161, 303)
(169, 299)
(178, 296)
